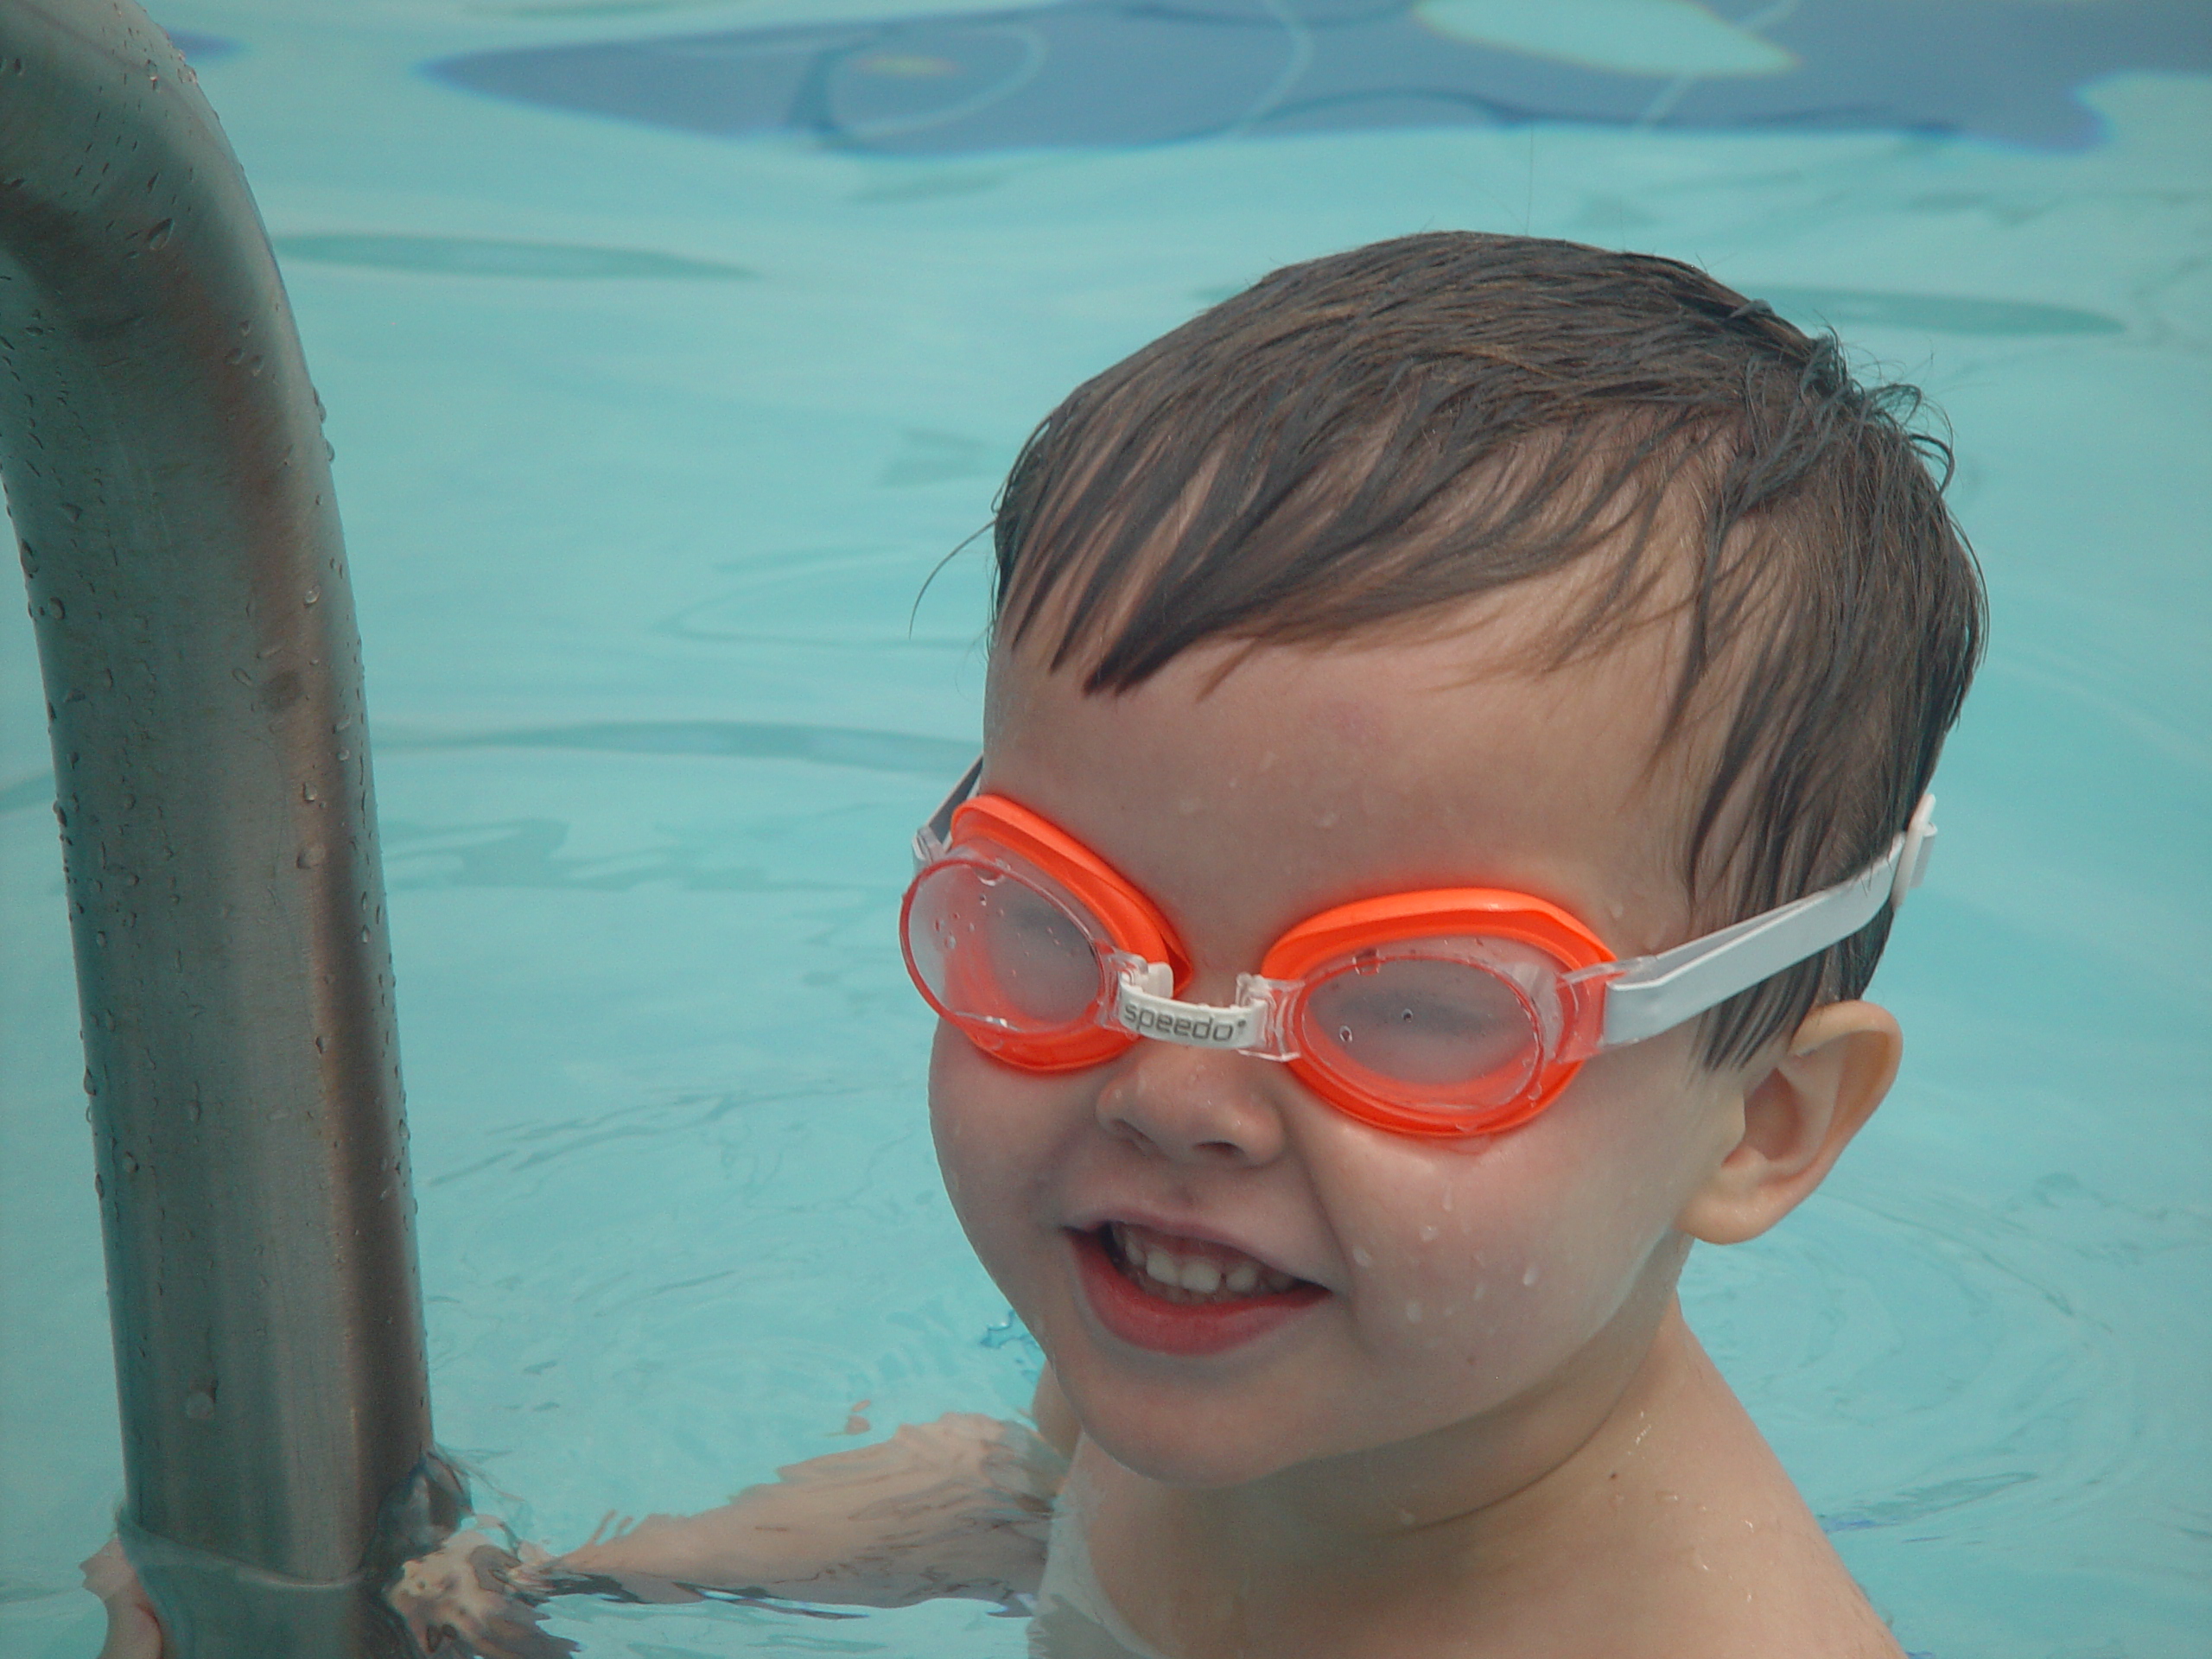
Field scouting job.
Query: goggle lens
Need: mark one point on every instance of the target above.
(992, 950)
(1435, 1025)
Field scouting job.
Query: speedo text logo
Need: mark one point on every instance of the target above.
(1181, 1027)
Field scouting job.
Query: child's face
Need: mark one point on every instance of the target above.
(1485, 1293)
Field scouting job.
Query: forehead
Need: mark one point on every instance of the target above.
(1246, 787)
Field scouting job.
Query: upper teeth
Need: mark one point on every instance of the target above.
(1201, 1274)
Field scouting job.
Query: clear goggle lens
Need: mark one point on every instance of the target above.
(1439, 1023)
(994, 949)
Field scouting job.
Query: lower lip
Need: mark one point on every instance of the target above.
(1186, 1328)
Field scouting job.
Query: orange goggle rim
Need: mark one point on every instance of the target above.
(1134, 924)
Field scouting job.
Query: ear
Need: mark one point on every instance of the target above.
(1798, 1115)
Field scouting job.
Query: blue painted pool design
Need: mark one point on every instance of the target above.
(1112, 72)
(669, 344)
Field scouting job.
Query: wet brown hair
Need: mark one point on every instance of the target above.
(1362, 439)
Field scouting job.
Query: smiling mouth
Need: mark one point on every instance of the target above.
(1188, 1272)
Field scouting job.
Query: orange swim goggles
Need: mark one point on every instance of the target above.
(1452, 1012)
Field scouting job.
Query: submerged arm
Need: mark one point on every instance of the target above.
(958, 1507)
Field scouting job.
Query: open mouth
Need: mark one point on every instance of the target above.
(1183, 1296)
(1189, 1272)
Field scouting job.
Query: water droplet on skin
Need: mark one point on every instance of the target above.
(306, 792)
(1360, 1255)
(1413, 1312)
(1529, 1277)
(312, 595)
(130, 1165)
(1426, 1233)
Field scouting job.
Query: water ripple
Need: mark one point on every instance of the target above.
(1946, 1370)
(475, 256)
(835, 745)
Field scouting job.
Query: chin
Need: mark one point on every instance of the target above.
(1183, 1447)
(1177, 1462)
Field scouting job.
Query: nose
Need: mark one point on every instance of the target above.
(1193, 1106)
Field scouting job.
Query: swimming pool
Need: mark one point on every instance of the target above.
(668, 347)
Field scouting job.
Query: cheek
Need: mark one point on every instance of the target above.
(1000, 1136)
(1519, 1249)
(967, 1115)
(1476, 1254)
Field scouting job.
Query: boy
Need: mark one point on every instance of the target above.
(1387, 664)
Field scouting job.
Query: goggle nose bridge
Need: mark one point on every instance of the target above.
(1145, 1004)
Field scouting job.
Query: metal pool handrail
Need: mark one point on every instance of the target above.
(170, 487)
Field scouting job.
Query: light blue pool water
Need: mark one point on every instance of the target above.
(668, 345)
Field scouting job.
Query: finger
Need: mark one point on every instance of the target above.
(518, 1635)
(108, 1572)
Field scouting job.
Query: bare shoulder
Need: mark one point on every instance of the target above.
(1780, 1588)
(1731, 1560)
(1680, 1533)
(1744, 1574)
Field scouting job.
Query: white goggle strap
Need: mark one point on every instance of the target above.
(932, 839)
(1656, 994)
